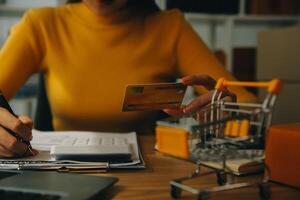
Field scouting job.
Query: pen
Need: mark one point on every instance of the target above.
(4, 104)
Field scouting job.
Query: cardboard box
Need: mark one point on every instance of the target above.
(278, 57)
(283, 154)
(287, 107)
(278, 54)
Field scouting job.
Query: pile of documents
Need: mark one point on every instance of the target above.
(44, 141)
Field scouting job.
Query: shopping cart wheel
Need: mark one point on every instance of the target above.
(221, 178)
(203, 196)
(264, 190)
(175, 192)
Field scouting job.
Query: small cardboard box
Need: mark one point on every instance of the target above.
(278, 54)
(278, 57)
(283, 154)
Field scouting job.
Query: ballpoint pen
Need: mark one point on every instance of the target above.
(4, 104)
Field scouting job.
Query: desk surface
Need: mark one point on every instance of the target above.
(153, 183)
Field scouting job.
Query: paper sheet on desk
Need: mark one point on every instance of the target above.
(42, 141)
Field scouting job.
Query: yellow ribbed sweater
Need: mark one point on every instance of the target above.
(88, 60)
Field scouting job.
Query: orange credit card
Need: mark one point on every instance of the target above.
(154, 96)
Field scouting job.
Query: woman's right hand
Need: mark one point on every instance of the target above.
(11, 146)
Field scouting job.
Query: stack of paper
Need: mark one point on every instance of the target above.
(43, 141)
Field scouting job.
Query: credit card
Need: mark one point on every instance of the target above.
(154, 96)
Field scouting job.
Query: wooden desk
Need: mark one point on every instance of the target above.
(153, 183)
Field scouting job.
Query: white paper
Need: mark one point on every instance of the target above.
(42, 141)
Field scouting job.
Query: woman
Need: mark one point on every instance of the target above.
(89, 51)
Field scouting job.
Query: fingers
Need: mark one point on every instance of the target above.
(203, 80)
(28, 153)
(35, 152)
(11, 143)
(230, 97)
(174, 112)
(4, 153)
(27, 121)
(201, 101)
(198, 103)
(205, 99)
(9, 121)
(11, 146)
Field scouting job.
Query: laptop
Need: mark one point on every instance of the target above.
(52, 185)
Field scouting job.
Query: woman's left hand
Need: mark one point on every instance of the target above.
(202, 100)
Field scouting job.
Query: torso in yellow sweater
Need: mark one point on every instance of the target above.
(88, 61)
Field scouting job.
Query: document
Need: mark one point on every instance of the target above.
(44, 141)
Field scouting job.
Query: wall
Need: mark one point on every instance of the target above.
(31, 3)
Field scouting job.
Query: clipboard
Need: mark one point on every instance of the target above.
(42, 141)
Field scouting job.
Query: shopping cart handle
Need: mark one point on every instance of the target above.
(274, 86)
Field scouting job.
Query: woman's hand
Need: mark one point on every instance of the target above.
(202, 100)
(11, 146)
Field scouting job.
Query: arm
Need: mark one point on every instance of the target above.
(20, 57)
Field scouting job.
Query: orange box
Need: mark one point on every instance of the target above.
(283, 154)
(173, 141)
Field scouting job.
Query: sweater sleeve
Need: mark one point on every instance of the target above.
(194, 57)
(21, 55)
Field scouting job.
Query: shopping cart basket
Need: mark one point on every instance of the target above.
(227, 131)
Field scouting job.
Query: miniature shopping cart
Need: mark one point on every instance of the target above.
(227, 131)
